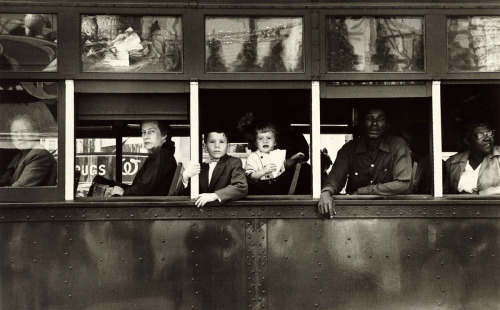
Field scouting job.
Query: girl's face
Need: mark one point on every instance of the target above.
(265, 141)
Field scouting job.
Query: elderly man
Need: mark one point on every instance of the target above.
(33, 165)
(375, 164)
(477, 170)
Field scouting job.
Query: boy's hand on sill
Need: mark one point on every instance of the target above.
(205, 198)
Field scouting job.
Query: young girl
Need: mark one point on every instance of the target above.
(265, 165)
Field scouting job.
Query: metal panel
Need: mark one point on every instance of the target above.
(277, 255)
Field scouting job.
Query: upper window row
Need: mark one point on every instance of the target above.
(154, 44)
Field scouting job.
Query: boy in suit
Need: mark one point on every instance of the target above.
(222, 177)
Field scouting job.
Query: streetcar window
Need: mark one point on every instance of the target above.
(29, 42)
(28, 134)
(284, 113)
(473, 43)
(109, 143)
(375, 44)
(254, 44)
(470, 125)
(130, 43)
(407, 119)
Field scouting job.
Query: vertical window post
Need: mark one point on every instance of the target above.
(69, 129)
(194, 131)
(436, 139)
(315, 138)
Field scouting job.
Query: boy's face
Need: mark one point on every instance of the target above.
(216, 144)
(265, 141)
(151, 135)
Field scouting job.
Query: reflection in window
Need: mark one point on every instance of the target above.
(28, 42)
(28, 134)
(253, 44)
(375, 44)
(474, 43)
(122, 43)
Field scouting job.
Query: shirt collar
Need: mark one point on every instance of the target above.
(464, 156)
(383, 146)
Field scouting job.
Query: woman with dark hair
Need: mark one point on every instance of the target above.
(156, 174)
(476, 170)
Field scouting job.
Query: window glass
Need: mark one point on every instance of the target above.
(254, 44)
(469, 114)
(28, 42)
(369, 144)
(375, 44)
(126, 43)
(265, 128)
(28, 134)
(474, 43)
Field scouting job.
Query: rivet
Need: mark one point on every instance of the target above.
(52, 216)
(11, 261)
(442, 290)
(123, 259)
(423, 213)
(343, 208)
(319, 264)
(192, 279)
(370, 256)
(107, 215)
(442, 263)
(408, 255)
(65, 253)
(196, 292)
(27, 216)
(70, 239)
(286, 239)
(470, 238)
(69, 296)
(366, 208)
(439, 277)
(163, 258)
(279, 214)
(471, 255)
(101, 241)
(387, 256)
(315, 277)
(70, 267)
(162, 240)
(143, 210)
(253, 214)
(3, 217)
(100, 259)
(34, 261)
(156, 215)
(196, 265)
(232, 214)
(321, 291)
(131, 215)
(348, 256)
(286, 257)
(407, 238)
(140, 258)
(179, 215)
(120, 210)
(315, 305)
(437, 250)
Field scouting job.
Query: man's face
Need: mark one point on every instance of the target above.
(22, 134)
(375, 123)
(216, 144)
(151, 135)
(484, 143)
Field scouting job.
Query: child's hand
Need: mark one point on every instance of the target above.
(269, 168)
(191, 170)
(205, 198)
(298, 156)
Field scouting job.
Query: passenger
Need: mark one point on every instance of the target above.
(375, 164)
(477, 170)
(265, 166)
(33, 165)
(156, 174)
(222, 177)
(326, 162)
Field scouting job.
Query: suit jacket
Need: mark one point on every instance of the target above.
(156, 174)
(228, 180)
(31, 168)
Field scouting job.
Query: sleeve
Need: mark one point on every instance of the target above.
(238, 187)
(160, 165)
(446, 177)
(338, 175)
(252, 164)
(37, 168)
(401, 175)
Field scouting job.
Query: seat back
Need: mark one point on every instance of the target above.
(295, 179)
(176, 180)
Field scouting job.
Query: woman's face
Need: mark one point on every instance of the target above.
(151, 135)
(22, 134)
